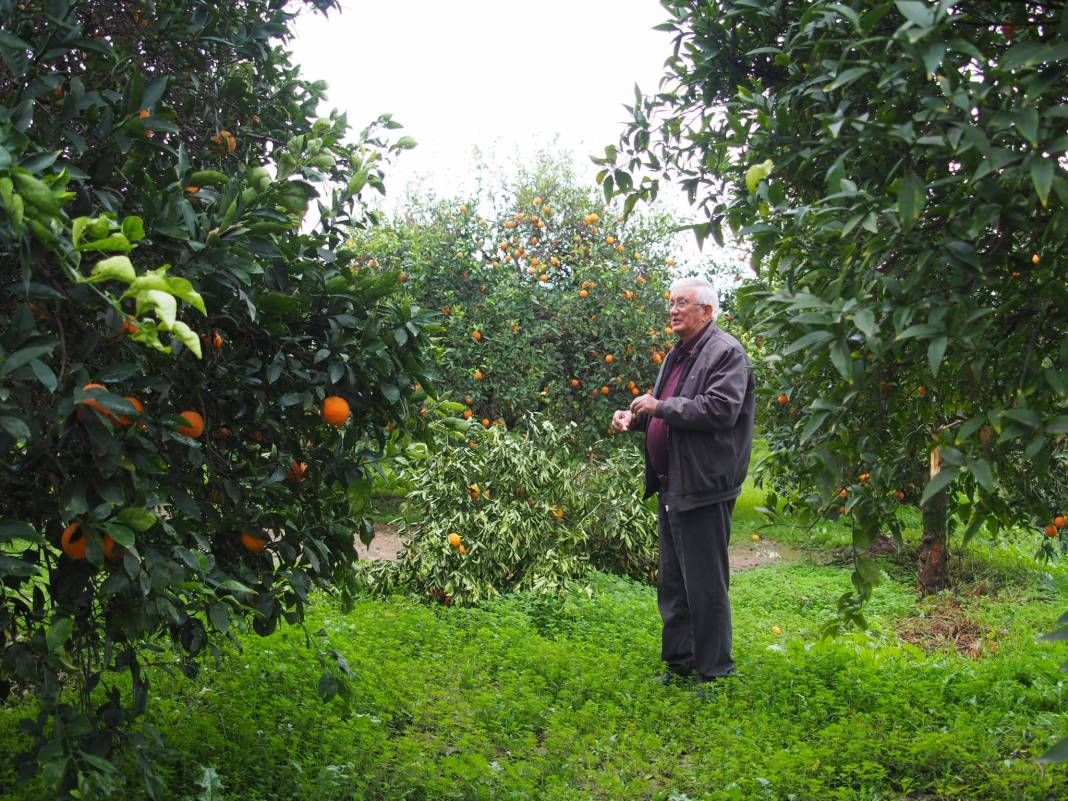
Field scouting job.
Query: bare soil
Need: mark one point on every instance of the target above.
(944, 623)
(387, 545)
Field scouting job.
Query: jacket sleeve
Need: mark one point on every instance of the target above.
(717, 404)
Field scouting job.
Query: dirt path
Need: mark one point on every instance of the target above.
(744, 556)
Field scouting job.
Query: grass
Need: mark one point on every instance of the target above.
(552, 698)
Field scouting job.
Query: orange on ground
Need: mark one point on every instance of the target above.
(194, 424)
(335, 410)
(454, 540)
(252, 543)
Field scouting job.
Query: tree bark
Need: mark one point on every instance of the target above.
(934, 550)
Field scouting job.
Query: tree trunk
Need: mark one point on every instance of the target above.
(934, 551)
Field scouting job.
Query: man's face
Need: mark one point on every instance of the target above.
(687, 315)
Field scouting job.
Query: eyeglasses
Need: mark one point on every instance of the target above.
(680, 304)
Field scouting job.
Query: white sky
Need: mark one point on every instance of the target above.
(503, 75)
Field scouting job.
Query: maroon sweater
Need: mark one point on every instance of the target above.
(656, 434)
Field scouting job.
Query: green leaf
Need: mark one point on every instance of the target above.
(16, 427)
(162, 303)
(153, 92)
(1027, 124)
(121, 534)
(910, 199)
(916, 12)
(219, 614)
(187, 337)
(133, 228)
(1030, 54)
(1042, 177)
(113, 242)
(841, 360)
(941, 480)
(182, 289)
(1057, 425)
(845, 77)
(40, 347)
(117, 268)
(757, 173)
(869, 570)
(59, 632)
(813, 425)
(44, 374)
(809, 340)
(932, 55)
(936, 351)
(980, 468)
(137, 518)
(17, 530)
(865, 321)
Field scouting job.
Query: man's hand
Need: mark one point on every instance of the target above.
(644, 405)
(621, 420)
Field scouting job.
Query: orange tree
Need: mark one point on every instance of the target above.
(898, 170)
(551, 303)
(192, 383)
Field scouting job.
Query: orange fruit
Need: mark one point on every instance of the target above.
(403, 277)
(784, 399)
(144, 114)
(634, 391)
(462, 550)
(74, 541)
(129, 327)
(609, 358)
(216, 340)
(844, 492)
(1035, 259)
(575, 383)
(469, 400)
(467, 414)
(755, 538)
(543, 278)
(93, 404)
(463, 209)
(1060, 521)
(605, 390)
(192, 190)
(123, 419)
(479, 375)
(609, 239)
(900, 496)
(476, 335)
(194, 424)
(297, 471)
(583, 293)
(454, 540)
(1051, 531)
(252, 543)
(865, 476)
(335, 410)
(485, 422)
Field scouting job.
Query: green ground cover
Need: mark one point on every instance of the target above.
(553, 698)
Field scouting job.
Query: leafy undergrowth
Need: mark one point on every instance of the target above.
(552, 698)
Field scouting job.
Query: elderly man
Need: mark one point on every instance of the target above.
(698, 426)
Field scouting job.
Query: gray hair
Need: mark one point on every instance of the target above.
(706, 293)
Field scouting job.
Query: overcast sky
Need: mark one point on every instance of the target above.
(505, 76)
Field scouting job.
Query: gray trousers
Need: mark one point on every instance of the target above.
(692, 588)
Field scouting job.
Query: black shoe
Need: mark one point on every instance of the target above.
(707, 685)
(674, 677)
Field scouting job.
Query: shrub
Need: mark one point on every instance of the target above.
(500, 510)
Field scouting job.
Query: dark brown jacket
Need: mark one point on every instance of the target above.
(710, 423)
